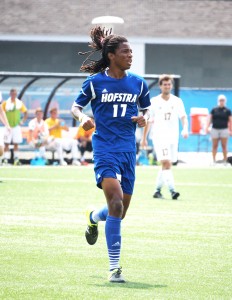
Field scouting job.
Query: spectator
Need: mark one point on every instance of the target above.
(221, 120)
(55, 127)
(38, 136)
(84, 142)
(5, 122)
(13, 108)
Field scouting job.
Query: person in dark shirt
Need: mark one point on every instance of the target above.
(221, 120)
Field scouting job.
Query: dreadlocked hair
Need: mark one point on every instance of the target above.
(104, 42)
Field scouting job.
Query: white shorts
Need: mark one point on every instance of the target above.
(166, 151)
(67, 144)
(15, 135)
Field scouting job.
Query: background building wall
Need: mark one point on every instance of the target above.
(199, 65)
(192, 38)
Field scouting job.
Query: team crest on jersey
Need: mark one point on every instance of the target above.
(118, 97)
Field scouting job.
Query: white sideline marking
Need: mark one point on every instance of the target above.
(89, 180)
(45, 180)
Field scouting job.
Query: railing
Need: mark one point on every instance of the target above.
(46, 87)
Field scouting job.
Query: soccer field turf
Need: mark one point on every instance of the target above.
(171, 249)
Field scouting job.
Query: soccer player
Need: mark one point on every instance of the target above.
(166, 110)
(115, 95)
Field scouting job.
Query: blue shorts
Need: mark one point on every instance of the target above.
(116, 165)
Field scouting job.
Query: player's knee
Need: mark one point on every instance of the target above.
(124, 213)
(116, 207)
(1, 150)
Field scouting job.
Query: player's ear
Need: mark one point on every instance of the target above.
(110, 55)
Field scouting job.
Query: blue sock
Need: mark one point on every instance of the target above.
(99, 215)
(113, 240)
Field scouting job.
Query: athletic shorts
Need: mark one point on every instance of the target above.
(219, 133)
(117, 165)
(15, 135)
(166, 151)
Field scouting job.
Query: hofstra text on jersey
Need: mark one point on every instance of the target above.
(118, 97)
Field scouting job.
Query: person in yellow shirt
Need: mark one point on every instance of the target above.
(13, 107)
(84, 142)
(55, 127)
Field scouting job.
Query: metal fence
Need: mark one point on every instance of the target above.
(57, 89)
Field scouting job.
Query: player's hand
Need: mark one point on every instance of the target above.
(184, 134)
(140, 120)
(8, 130)
(143, 143)
(87, 123)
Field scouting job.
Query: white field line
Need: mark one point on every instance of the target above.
(49, 180)
(61, 220)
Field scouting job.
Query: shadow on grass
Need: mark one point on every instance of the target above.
(130, 285)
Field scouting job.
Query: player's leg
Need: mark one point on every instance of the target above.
(127, 167)
(161, 151)
(215, 142)
(17, 139)
(57, 144)
(214, 149)
(16, 155)
(114, 196)
(7, 141)
(97, 215)
(74, 152)
(1, 145)
(168, 174)
(224, 142)
(1, 150)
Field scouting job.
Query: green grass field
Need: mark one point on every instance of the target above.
(171, 249)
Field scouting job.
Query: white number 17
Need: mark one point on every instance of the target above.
(123, 106)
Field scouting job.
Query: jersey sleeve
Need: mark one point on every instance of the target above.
(23, 108)
(4, 106)
(144, 97)
(86, 94)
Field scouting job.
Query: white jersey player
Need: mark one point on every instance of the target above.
(166, 110)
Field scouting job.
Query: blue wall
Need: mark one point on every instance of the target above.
(202, 98)
(206, 99)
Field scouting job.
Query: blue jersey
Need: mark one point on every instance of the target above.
(114, 102)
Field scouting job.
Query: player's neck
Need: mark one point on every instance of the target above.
(166, 97)
(116, 73)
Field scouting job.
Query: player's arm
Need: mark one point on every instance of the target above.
(142, 119)
(25, 114)
(209, 123)
(3, 118)
(146, 129)
(230, 125)
(184, 121)
(86, 122)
